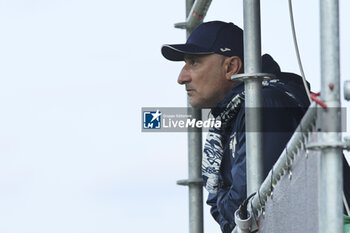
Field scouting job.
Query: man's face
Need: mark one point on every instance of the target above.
(204, 77)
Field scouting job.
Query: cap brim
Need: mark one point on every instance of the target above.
(176, 52)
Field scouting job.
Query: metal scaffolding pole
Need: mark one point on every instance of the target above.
(330, 178)
(253, 94)
(194, 181)
(195, 13)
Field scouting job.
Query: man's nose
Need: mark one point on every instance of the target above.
(184, 76)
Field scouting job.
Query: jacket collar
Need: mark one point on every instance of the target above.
(269, 65)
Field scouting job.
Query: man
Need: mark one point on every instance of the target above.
(212, 54)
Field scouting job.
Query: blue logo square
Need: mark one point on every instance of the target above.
(152, 119)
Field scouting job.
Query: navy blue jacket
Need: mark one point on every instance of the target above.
(285, 102)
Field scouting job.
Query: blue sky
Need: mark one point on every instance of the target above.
(74, 76)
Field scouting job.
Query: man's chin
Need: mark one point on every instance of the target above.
(194, 106)
(197, 104)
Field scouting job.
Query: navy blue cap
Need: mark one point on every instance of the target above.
(208, 38)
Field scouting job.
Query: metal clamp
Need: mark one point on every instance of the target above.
(244, 76)
(243, 224)
(188, 182)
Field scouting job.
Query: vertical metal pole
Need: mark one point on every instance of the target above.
(195, 183)
(253, 95)
(331, 175)
(194, 164)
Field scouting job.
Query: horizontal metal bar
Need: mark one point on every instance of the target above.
(245, 76)
(188, 182)
(324, 145)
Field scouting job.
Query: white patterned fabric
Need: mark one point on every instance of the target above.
(213, 148)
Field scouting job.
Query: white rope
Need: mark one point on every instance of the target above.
(297, 49)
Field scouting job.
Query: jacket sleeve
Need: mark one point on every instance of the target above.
(225, 226)
(228, 198)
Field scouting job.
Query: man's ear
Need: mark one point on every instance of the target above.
(234, 66)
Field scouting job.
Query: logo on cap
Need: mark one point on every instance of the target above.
(225, 49)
